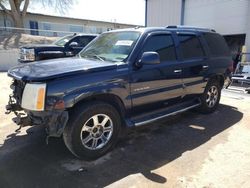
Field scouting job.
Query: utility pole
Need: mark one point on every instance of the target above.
(146, 12)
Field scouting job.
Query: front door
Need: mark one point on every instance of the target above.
(154, 86)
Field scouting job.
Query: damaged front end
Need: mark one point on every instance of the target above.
(14, 104)
(54, 120)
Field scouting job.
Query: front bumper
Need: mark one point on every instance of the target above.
(54, 121)
(24, 61)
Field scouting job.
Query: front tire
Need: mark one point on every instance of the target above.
(211, 97)
(92, 130)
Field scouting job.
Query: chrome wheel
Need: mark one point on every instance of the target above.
(97, 131)
(212, 96)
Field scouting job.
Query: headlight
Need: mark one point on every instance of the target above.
(34, 97)
(27, 54)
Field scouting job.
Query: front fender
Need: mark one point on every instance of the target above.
(119, 90)
(73, 89)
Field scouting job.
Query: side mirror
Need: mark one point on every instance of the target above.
(73, 44)
(149, 58)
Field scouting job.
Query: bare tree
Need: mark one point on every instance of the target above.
(18, 8)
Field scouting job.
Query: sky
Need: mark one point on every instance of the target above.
(119, 11)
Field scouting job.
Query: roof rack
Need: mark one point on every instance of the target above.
(189, 27)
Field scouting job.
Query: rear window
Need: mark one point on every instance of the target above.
(190, 46)
(216, 44)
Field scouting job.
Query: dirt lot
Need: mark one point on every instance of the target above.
(188, 150)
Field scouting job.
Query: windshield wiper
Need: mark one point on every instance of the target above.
(93, 56)
(98, 57)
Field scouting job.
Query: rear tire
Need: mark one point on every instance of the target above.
(92, 130)
(211, 97)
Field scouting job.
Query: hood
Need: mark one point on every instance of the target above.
(37, 46)
(56, 68)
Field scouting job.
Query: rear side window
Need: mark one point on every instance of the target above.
(190, 46)
(163, 45)
(216, 44)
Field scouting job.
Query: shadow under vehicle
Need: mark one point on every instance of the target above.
(141, 151)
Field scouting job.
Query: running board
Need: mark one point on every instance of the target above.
(163, 113)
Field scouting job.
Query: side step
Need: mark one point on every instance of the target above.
(162, 113)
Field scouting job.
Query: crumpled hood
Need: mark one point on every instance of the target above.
(55, 68)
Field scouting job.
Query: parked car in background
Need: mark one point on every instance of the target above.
(241, 77)
(124, 78)
(67, 46)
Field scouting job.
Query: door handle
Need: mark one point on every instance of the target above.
(177, 71)
(205, 66)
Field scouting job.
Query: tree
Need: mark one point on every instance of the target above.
(18, 8)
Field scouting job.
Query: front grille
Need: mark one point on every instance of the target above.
(18, 86)
(22, 54)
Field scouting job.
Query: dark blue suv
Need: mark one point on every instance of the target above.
(124, 78)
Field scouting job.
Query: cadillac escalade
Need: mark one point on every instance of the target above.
(124, 78)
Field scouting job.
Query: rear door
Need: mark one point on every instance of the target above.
(153, 86)
(194, 63)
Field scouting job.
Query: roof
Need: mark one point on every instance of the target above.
(168, 28)
(84, 34)
(186, 27)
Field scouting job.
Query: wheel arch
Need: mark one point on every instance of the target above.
(218, 77)
(109, 98)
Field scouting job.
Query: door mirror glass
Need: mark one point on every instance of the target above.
(149, 58)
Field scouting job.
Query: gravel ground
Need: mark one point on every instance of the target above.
(187, 150)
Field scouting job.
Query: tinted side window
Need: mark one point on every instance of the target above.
(82, 40)
(163, 45)
(190, 46)
(217, 44)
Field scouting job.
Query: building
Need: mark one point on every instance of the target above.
(231, 18)
(40, 24)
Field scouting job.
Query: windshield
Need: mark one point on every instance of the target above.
(64, 40)
(114, 46)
